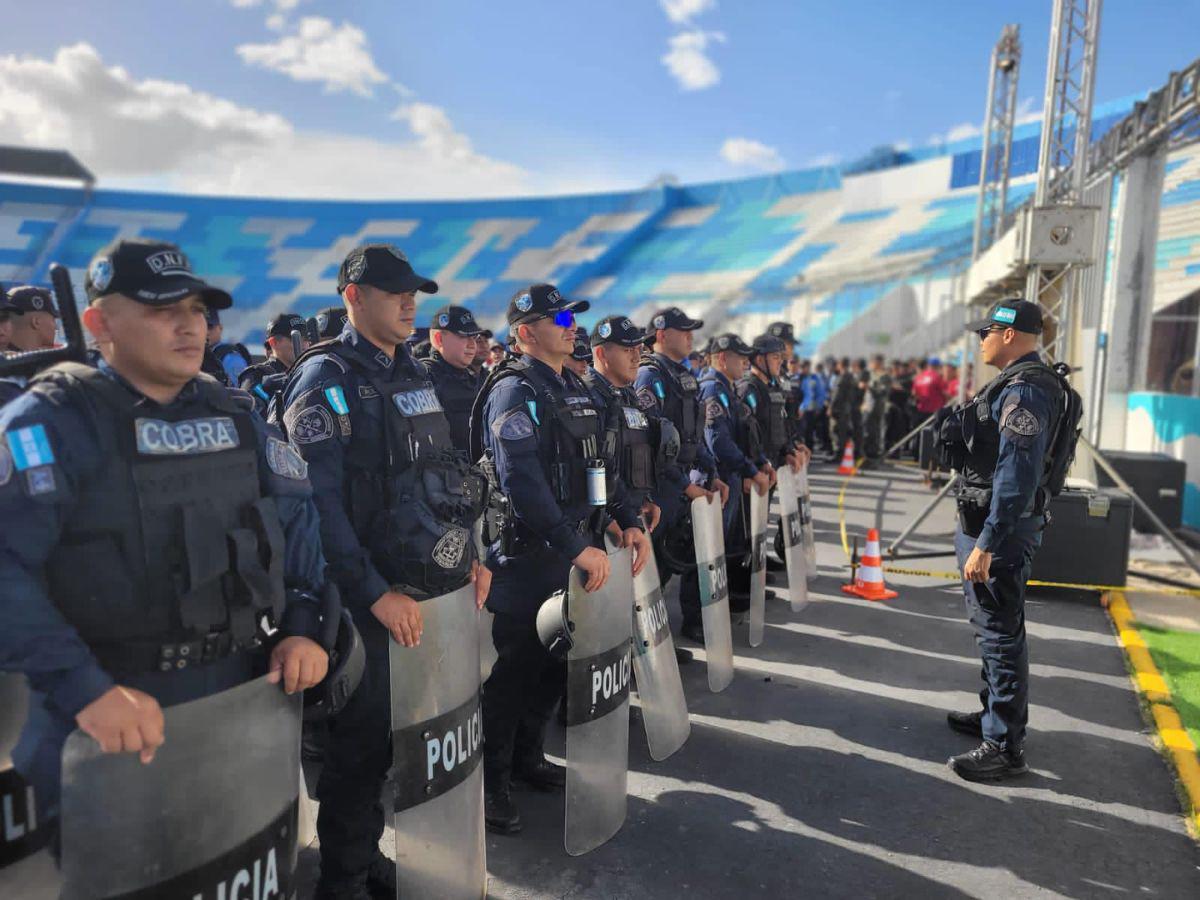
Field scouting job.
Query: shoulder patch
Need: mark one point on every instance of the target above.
(513, 426)
(659, 391)
(40, 480)
(1021, 421)
(6, 464)
(285, 460)
(645, 399)
(337, 400)
(30, 447)
(309, 425)
(751, 400)
(713, 409)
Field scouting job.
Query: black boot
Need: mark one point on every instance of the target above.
(683, 657)
(541, 775)
(381, 878)
(970, 724)
(343, 888)
(988, 762)
(693, 631)
(500, 813)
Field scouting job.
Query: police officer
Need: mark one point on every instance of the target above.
(363, 412)
(769, 402)
(733, 437)
(453, 345)
(7, 311)
(34, 327)
(666, 388)
(483, 348)
(233, 358)
(879, 388)
(264, 381)
(330, 321)
(537, 427)
(1003, 444)
(580, 359)
(99, 470)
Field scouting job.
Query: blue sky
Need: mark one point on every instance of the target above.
(449, 97)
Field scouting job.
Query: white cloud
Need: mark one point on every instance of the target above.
(681, 12)
(752, 154)
(823, 161)
(168, 136)
(336, 56)
(688, 62)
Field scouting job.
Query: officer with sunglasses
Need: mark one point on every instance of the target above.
(538, 430)
(1003, 444)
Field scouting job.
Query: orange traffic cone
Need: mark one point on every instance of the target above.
(847, 466)
(868, 584)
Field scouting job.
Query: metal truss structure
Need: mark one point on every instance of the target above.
(999, 118)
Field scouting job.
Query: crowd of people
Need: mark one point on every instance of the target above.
(360, 459)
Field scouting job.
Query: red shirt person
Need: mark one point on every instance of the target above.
(929, 388)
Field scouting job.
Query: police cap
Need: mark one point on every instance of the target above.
(27, 298)
(619, 330)
(540, 301)
(768, 343)
(730, 342)
(457, 320)
(783, 331)
(674, 317)
(1015, 312)
(155, 273)
(330, 321)
(382, 266)
(284, 324)
(582, 350)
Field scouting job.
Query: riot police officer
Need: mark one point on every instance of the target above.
(264, 381)
(733, 437)
(483, 349)
(666, 388)
(769, 402)
(453, 345)
(537, 428)
(580, 359)
(122, 489)
(1012, 450)
(232, 358)
(396, 520)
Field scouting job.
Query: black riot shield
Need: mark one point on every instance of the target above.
(759, 516)
(26, 869)
(660, 689)
(791, 529)
(437, 741)
(714, 591)
(598, 669)
(214, 815)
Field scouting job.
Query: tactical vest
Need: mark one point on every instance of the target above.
(770, 409)
(172, 541)
(746, 431)
(414, 515)
(970, 435)
(457, 389)
(682, 406)
(636, 448)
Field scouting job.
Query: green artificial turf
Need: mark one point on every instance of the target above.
(1177, 655)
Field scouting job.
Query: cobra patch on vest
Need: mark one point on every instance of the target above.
(420, 402)
(208, 435)
(635, 418)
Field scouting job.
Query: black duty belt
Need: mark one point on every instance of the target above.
(149, 656)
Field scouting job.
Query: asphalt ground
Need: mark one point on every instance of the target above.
(821, 770)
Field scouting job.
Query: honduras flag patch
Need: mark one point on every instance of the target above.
(29, 447)
(337, 400)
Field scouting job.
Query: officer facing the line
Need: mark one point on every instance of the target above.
(34, 327)
(538, 430)
(363, 412)
(100, 468)
(452, 339)
(1003, 442)
(264, 381)
(732, 435)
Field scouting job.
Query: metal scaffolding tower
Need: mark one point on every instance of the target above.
(1062, 161)
(997, 139)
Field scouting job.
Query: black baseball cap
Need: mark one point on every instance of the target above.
(582, 349)
(330, 321)
(731, 342)
(769, 343)
(383, 266)
(26, 298)
(155, 273)
(457, 320)
(619, 330)
(541, 301)
(487, 333)
(284, 324)
(783, 331)
(674, 317)
(1015, 312)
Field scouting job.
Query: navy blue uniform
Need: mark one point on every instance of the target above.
(456, 388)
(51, 451)
(1010, 528)
(518, 435)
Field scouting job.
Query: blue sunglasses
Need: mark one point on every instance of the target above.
(564, 319)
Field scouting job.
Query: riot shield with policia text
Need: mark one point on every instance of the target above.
(26, 868)
(792, 534)
(759, 517)
(714, 590)
(213, 815)
(598, 670)
(437, 745)
(659, 687)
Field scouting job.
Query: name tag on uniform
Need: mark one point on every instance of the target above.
(635, 418)
(688, 383)
(209, 435)
(420, 402)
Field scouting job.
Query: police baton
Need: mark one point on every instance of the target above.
(297, 343)
(74, 350)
